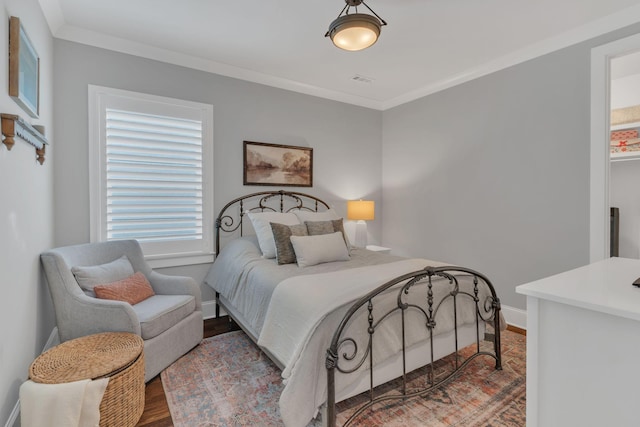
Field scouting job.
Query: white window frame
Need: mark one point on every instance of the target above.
(158, 254)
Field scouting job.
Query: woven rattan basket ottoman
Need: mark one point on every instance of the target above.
(117, 355)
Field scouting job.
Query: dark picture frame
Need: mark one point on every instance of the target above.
(277, 165)
(24, 69)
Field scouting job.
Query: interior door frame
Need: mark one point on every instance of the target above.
(599, 221)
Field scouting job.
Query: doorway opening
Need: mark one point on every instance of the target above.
(600, 172)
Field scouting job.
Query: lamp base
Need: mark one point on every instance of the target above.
(361, 234)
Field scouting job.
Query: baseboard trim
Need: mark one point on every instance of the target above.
(13, 417)
(53, 340)
(15, 413)
(209, 310)
(515, 316)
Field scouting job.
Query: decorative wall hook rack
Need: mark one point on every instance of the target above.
(13, 125)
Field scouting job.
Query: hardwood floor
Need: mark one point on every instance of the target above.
(156, 411)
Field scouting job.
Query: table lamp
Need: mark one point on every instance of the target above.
(360, 211)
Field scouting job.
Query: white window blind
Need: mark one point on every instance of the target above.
(154, 182)
(154, 177)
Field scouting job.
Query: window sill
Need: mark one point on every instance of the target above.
(161, 261)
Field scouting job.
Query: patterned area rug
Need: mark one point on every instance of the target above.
(228, 381)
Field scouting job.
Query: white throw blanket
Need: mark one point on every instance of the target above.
(74, 404)
(298, 306)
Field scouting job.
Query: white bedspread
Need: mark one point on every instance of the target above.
(298, 305)
(247, 280)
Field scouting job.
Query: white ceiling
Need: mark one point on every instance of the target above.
(427, 45)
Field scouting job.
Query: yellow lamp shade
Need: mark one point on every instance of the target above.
(361, 210)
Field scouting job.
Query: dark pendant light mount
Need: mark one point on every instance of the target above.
(355, 31)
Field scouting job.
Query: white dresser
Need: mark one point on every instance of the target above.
(583, 347)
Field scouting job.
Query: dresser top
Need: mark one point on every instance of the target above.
(604, 286)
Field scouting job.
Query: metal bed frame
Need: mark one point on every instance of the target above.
(263, 201)
(487, 310)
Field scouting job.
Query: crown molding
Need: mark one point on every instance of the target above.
(61, 30)
(596, 28)
(100, 40)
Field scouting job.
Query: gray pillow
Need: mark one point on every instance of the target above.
(315, 228)
(281, 236)
(92, 275)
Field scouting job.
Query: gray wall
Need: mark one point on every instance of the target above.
(346, 139)
(494, 174)
(26, 218)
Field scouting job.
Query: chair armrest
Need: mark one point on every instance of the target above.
(164, 284)
(78, 314)
(88, 315)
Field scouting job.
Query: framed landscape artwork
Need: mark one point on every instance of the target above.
(24, 69)
(277, 165)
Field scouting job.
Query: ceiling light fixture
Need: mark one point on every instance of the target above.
(355, 31)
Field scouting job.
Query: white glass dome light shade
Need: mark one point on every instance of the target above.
(355, 32)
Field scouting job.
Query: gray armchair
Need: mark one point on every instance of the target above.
(170, 322)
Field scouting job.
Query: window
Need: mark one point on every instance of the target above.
(151, 174)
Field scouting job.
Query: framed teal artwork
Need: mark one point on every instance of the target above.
(24, 69)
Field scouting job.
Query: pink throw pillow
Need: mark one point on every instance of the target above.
(133, 289)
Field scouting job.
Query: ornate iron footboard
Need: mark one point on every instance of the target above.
(486, 305)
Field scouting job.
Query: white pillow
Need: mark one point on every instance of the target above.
(261, 222)
(327, 215)
(312, 250)
(92, 275)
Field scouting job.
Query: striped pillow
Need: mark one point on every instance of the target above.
(315, 228)
(281, 236)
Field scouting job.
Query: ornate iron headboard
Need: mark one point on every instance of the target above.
(274, 201)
